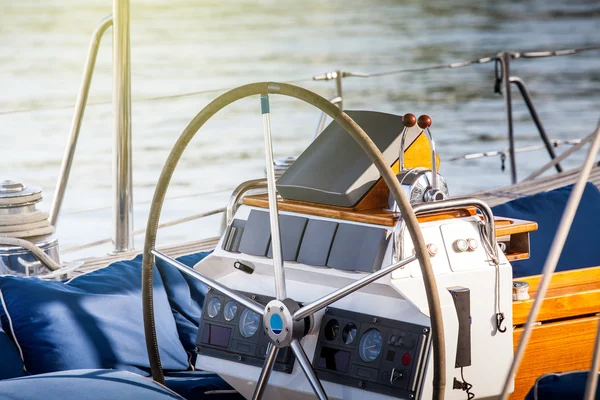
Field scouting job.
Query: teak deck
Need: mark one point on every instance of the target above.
(568, 320)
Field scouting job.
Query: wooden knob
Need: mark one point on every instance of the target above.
(409, 120)
(424, 121)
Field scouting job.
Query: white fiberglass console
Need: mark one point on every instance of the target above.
(376, 342)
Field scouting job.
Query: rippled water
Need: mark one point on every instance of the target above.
(182, 46)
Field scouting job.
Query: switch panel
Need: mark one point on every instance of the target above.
(463, 245)
(376, 354)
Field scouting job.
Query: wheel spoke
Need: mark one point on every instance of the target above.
(263, 379)
(278, 271)
(332, 297)
(252, 305)
(308, 370)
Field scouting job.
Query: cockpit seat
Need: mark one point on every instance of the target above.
(86, 332)
(581, 249)
(562, 386)
(86, 384)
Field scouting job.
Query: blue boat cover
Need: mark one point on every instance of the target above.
(581, 248)
(11, 365)
(565, 386)
(93, 321)
(84, 385)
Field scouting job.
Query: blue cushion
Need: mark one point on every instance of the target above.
(196, 384)
(11, 364)
(84, 385)
(581, 248)
(564, 386)
(93, 321)
(186, 296)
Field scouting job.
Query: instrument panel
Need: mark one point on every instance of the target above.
(232, 332)
(375, 354)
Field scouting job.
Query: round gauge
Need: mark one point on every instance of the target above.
(332, 329)
(230, 310)
(349, 333)
(249, 323)
(214, 307)
(370, 345)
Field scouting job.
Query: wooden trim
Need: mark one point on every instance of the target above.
(508, 226)
(554, 347)
(504, 226)
(518, 255)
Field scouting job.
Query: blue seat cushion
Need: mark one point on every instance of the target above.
(93, 321)
(186, 296)
(85, 385)
(11, 364)
(581, 248)
(570, 385)
(197, 384)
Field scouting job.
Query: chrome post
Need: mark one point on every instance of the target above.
(122, 186)
(505, 61)
(307, 369)
(263, 379)
(80, 103)
(278, 270)
(536, 118)
(339, 75)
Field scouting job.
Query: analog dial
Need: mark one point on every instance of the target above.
(249, 323)
(349, 333)
(230, 310)
(332, 329)
(214, 307)
(370, 345)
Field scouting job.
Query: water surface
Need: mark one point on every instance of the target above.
(182, 46)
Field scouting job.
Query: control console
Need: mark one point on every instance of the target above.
(376, 354)
(232, 332)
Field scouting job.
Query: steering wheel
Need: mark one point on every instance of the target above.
(283, 316)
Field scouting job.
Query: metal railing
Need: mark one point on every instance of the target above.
(80, 103)
(122, 186)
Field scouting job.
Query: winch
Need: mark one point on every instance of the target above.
(421, 185)
(23, 228)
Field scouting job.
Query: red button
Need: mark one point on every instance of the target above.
(406, 359)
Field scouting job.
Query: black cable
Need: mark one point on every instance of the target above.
(466, 385)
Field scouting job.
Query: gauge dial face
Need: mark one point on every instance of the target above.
(249, 323)
(230, 310)
(332, 329)
(349, 333)
(370, 345)
(214, 307)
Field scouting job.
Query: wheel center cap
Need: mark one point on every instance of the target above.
(279, 323)
(276, 324)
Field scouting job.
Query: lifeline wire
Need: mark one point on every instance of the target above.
(333, 75)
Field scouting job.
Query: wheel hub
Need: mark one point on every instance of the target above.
(279, 323)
